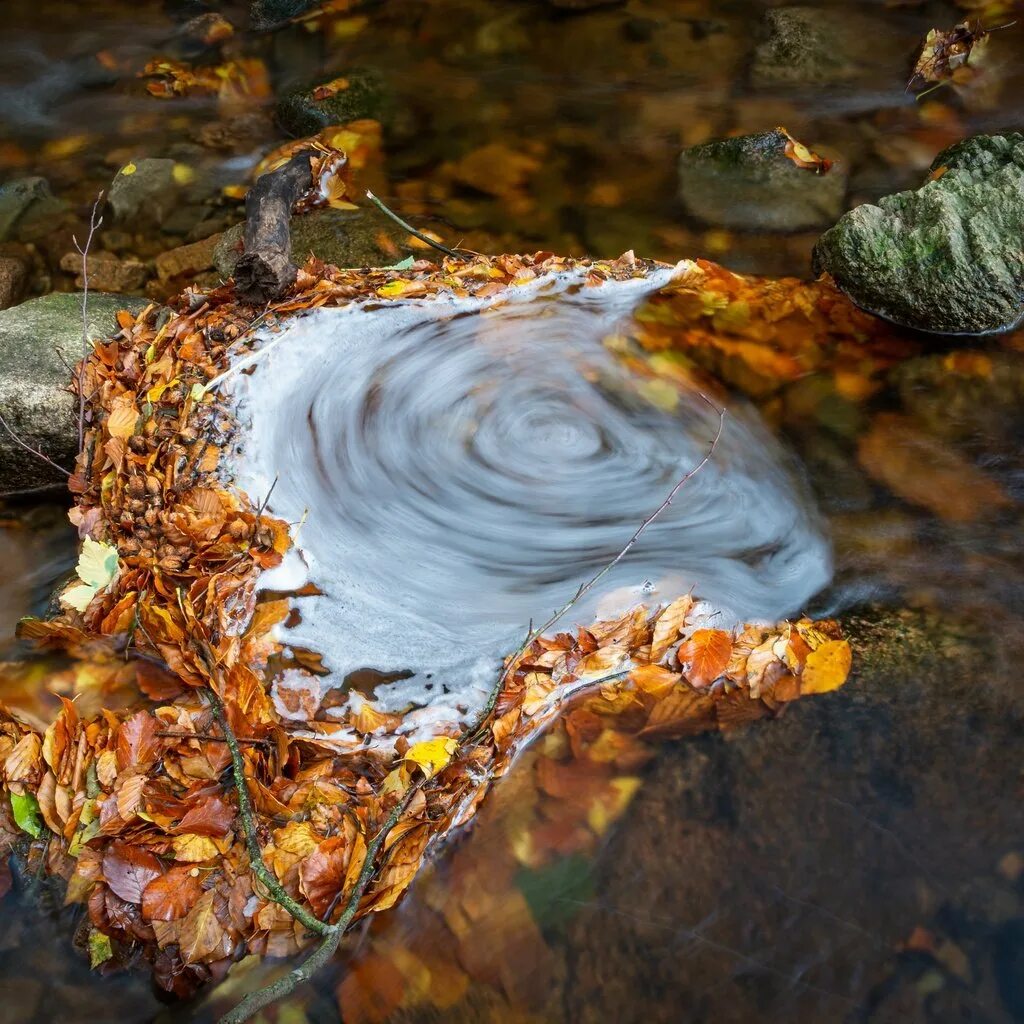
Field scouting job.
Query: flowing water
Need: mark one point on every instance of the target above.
(460, 468)
(861, 859)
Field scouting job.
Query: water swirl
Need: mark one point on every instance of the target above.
(462, 470)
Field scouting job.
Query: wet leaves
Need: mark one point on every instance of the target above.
(128, 870)
(139, 802)
(705, 656)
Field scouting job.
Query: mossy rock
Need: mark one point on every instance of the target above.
(36, 338)
(344, 238)
(946, 258)
(300, 113)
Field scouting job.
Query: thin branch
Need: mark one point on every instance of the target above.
(35, 451)
(210, 738)
(408, 227)
(474, 731)
(322, 955)
(259, 867)
(332, 934)
(94, 224)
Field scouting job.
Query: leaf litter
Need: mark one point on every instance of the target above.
(132, 804)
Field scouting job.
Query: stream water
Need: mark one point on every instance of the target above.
(459, 469)
(862, 858)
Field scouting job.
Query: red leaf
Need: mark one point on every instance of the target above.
(705, 655)
(173, 895)
(137, 742)
(212, 817)
(129, 869)
(322, 873)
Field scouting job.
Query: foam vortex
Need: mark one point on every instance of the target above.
(460, 469)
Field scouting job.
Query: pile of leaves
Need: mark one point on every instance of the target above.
(192, 820)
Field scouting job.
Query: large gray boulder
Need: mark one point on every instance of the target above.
(34, 400)
(948, 257)
(749, 183)
(344, 238)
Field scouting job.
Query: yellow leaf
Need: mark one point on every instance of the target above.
(433, 755)
(129, 169)
(193, 849)
(827, 667)
(183, 174)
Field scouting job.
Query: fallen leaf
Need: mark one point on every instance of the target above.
(129, 869)
(827, 667)
(172, 895)
(666, 629)
(433, 755)
(705, 656)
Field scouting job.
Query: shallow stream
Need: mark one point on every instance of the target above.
(860, 859)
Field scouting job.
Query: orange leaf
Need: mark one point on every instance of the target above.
(706, 655)
(172, 896)
(666, 629)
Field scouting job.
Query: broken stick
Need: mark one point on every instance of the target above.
(265, 271)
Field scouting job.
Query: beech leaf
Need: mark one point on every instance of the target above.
(705, 655)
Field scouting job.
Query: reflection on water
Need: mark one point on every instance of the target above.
(861, 859)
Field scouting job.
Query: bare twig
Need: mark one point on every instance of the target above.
(35, 451)
(472, 732)
(408, 227)
(94, 223)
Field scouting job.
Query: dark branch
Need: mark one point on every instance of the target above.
(265, 271)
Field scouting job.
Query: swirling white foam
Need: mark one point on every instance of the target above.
(459, 467)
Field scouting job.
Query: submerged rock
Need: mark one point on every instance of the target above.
(308, 111)
(266, 14)
(25, 200)
(344, 238)
(749, 182)
(807, 46)
(143, 190)
(34, 399)
(945, 258)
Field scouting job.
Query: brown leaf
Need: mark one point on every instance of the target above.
(322, 873)
(202, 936)
(172, 895)
(137, 742)
(212, 817)
(129, 869)
(705, 655)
